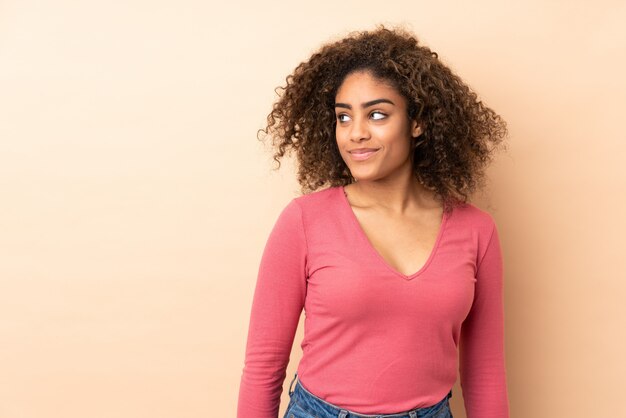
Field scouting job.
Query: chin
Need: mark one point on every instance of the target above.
(364, 176)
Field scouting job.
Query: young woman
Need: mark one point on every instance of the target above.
(400, 277)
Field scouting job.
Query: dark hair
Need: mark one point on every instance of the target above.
(459, 131)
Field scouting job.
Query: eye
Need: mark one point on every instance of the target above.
(380, 113)
(373, 113)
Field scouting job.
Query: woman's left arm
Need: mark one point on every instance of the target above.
(482, 360)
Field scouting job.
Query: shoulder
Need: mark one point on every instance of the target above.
(304, 208)
(318, 197)
(472, 216)
(319, 202)
(479, 223)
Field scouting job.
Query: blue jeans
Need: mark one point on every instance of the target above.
(303, 404)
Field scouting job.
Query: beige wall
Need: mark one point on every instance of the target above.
(136, 200)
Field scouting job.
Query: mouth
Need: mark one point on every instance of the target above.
(363, 153)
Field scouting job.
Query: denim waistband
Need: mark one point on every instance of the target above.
(309, 401)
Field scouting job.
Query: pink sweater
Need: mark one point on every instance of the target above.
(376, 340)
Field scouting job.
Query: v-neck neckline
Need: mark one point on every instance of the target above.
(363, 236)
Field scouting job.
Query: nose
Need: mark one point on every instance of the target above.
(359, 130)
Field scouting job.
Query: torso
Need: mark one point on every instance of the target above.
(405, 242)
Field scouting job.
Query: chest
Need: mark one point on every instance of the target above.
(405, 244)
(351, 285)
(349, 279)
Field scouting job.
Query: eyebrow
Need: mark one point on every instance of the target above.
(366, 104)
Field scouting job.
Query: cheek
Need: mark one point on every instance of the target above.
(391, 133)
(341, 145)
(341, 139)
(396, 143)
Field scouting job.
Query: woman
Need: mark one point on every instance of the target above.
(400, 277)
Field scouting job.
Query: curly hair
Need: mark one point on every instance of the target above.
(460, 131)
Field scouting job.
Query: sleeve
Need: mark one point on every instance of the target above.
(276, 307)
(482, 360)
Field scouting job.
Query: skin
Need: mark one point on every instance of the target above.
(400, 218)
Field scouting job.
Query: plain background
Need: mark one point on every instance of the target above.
(136, 199)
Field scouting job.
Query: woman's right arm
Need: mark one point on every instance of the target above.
(277, 304)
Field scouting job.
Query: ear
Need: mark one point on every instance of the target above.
(416, 129)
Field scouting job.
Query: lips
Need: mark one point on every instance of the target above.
(362, 154)
(362, 150)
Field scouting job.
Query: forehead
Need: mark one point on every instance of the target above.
(363, 85)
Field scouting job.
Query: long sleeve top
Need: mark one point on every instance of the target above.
(376, 341)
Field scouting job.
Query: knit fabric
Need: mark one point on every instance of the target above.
(376, 341)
